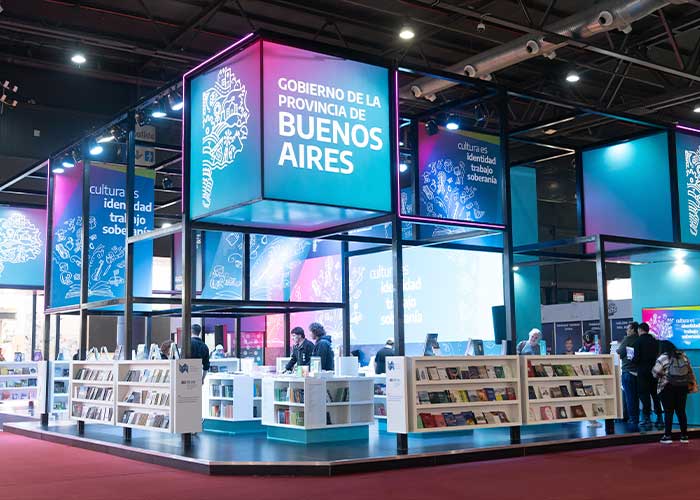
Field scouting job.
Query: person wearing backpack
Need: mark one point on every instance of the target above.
(676, 380)
(646, 352)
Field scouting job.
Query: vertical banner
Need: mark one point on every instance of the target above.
(688, 164)
(22, 246)
(460, 176)
(568, 336)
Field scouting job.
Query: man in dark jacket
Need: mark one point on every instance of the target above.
(380, 357)
(629, 372)
(302, 351)
(199, 349)
(323, 348)
(647, 350)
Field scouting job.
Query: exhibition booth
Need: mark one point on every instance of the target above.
(298, 184)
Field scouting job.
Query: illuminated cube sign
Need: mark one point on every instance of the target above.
(283, 137)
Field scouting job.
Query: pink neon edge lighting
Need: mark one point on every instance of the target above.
(690, 129)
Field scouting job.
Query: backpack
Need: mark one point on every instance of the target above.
(678, 372)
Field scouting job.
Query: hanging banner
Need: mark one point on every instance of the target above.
(22, 247)
(460, 176)
(107, 233)
(680, 325)
(688, 164)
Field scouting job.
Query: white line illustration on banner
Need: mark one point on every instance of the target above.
(661, 325)
(692, 174)
(225, 120)
(228, 285)
(20, 240)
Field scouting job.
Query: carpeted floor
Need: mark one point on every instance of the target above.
(36, 470)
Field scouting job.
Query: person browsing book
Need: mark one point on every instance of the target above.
(302, 351)
(626, 351)
(588, 340)
(199, 350)
(380, 357)
(645, 358)
(532, 345)
(322, 347)
(676, 379)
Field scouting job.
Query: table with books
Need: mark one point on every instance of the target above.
(317, 409)
(569, 388)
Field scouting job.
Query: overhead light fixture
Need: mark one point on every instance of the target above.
(166, 224)
(406, 32)
(403, 167)
(7, 101)
(572, 77)
(57, 170)
(550, 131)
(96, 149)
(167, 183)
(107, 136)
(78, 58)
(516, 268)
(431, 127)
(158, 110)
(68, 161)
(680, 255)
(696, 109)
(452, 123)
(175, 101)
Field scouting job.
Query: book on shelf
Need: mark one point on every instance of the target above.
(474, 372)
(510, 393)
(423, 397)
(577, 411)
(598, 410)
(564, 391)
(380, 389)
(554, 392)
(531, 414)
(490, 394)
(499, 371)
(600, 390)
(473, 395)
(483, 372)
(588, 390)
(433, 373)
(480, 418)
(439, 420)
(531, 393)
(421, 374)
(561, 413)
(490, 372)
(546, 413)
(577, 388)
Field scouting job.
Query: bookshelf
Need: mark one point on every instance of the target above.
(59, 389)
(559, 389)
(159, 395)
(380, 397)
(224, 365)
(317, 403)
(231, 397)
(91, 397)
(428, 394)
(22, 384)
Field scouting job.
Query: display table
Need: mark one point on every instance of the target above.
(430, 394)
(22, 385)
(570, 388)
(317, 409)
(163, 396)
(232, 403)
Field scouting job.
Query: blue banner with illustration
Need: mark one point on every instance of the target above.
(680, 325)
(688, 164)
(22, 246)
(460, 176)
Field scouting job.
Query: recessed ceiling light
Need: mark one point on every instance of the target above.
(550, 131)
(78, 58)
(696, 109)
(406, 32)
(572, 77)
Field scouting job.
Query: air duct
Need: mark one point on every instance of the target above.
(602, 17)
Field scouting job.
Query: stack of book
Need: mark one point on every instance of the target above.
(290, 417)
(462, 373)
(93, 393)
(546, 412)
(144, 419)
(221, 410)
(467, 396)
(465, 418)
(150, 398)
(157, 376)
(578, 389)
(80, 410)
(567, 370)
(222, 390)
(94, 375)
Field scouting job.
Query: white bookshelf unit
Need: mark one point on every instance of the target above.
(232, 403)
(59, 389)
(380, 397)
(452, 393)
(92, 387)
(569, 388)
(294, 408)
(224, 365)
(22, 385)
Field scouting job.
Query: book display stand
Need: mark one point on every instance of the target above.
(59, 385)
(560, 389)
(380, 401)
(22, 384)
(232, 403)
(163, 396)
(317, 409)
(434, 394)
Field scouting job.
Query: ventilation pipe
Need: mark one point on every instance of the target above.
(602, 17)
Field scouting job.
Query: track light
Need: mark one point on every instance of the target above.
(7, 101)
(108, 136)
(572, 77)
(57, 170)
(78, 58)
(696, 109)
(142, 119)
(516, 268)
(8, 86)
(175, 101)
(403, 167)
(68, 161)
(431, 127)
(452, 123)
(96, 149)
(158, 110)
(406, 32)
(167, 183)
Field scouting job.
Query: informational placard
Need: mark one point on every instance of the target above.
(224, 142)
(327, 132)
(688, 164)
(460, 176)
(680, 325)
(22, 246)
(107, 233)
(568, 336)
(618, 328)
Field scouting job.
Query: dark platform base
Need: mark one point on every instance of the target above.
(219, 454)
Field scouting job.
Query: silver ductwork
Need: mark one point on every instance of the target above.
(602, 17)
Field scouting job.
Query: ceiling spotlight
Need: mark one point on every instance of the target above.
(406, 32)
(78, 58)
(8, 86)
(96, 149)
(158, 110)
(167, 183)
(107, 136)
(166, 224)
(7, 101)
(57, 170)
(431, 127)
(175, 101)
(452, 123)
(403, 167)
(572, 77)
(68, 161)
(550, 131)
(696, 109)
(516, 268)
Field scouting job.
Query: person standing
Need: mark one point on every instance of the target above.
(380, 357)
(626, 351)
(588, 341)
(302, 350)
(199, 350)
(647, 350)
(531, 347)
(676, 380)
(322, 347)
